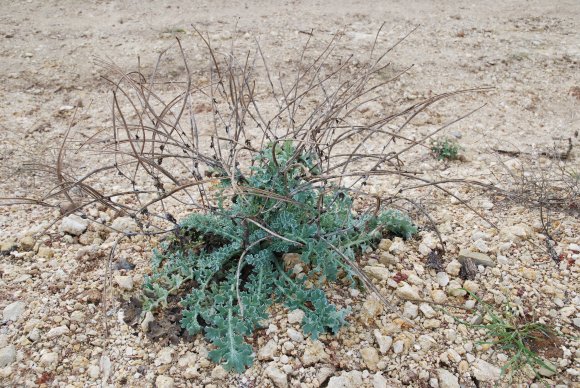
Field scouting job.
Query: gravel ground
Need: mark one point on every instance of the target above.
(62, 327)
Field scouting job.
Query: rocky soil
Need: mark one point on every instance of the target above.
(63, 322)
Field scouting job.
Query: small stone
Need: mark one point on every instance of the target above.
(164, 356)
(447, 379)
(427, 310)
(7, 355)
(125, 225)
(352, 379)
(453, 268)
(164, 382)
(385, 244)
(398, 246)
(372, 307)
(57, 332)
(27, 243)
(219, 373)
(481, 246)
(407, 292)
(515, 233)
(379, 381)
(398, 347)
(124, 282)
(77, 316)
(94, 371)
(7, 246)
(383, 341)
(146, 321)
(438, 296)
(442, 279)
(49, 360)
(13, 311)
(410, 310)
(426, 342)
(34, 335)
(576, 322)
(386, 258)
(268, 351)
(44, 251)
(431, 323)
(455, 288)
(484, 371)
(379, 273)
(370, 357)
(314, 353)
(471, 286)
(478, 258)
(324, 373)
(295, 316)
(73, 225)
(295, 335)
(277, 376)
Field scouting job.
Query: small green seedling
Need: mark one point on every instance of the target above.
(518, 337)
(445, 149)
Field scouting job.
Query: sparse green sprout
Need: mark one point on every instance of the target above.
(523, 340)
(228, 265)
(445, 149)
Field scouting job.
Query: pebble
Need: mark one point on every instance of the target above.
(515, 233)
(219, 373)
(27, 243)
(385, 244)
(7, 355)
(324, 373)
(164, 356)
(164, 382)
(455, 288)
(447, 379)
(477, 257)
(7, 246)
(49, 360)
(314, 353)
(13, 311)
(295, 335)
(295, 316)
(399, 346)
(484, 371)
(406, 291)
(426, 342)
(352, 379)
(453, 268)
(431, 323)
(386, 258)
(125, 225)
(124, 282)
(379, 381)
(94, 371)
(57, 332)
(427, 310)
(438, 296)
(379, 273)
(277, 376)
(268, 351)
(410, 310)
(370, 357)
(383, 341)
(442, 278)
(471, 286)
(73, 225)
